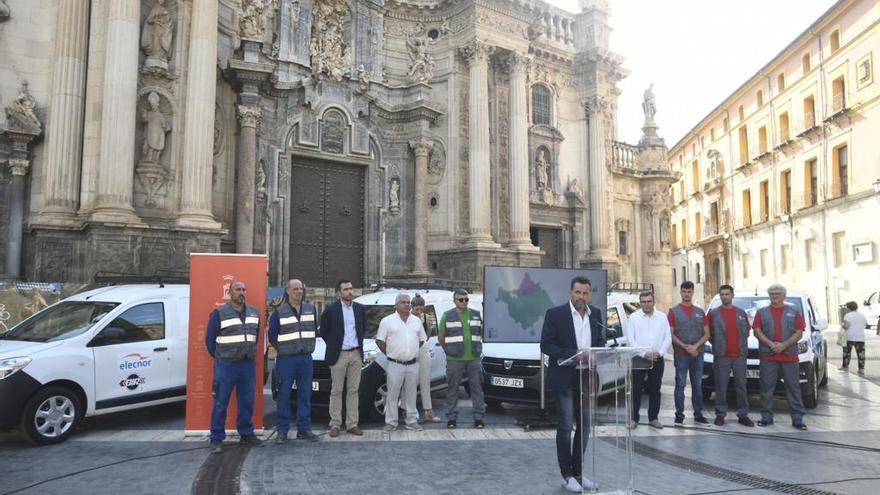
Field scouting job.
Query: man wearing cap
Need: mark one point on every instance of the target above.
(399, 337)
(461, 335)
(231, 339)
(778, 328)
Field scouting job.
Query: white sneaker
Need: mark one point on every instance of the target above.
(589, 485)
(414, 427)
(390, 428)
(572, 485)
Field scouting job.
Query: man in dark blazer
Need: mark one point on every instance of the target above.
(342, 328)
(568, 328)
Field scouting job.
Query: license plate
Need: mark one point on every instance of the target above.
(501, 381)
(749, 373)
(314, 386)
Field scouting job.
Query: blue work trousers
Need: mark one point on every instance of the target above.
(688, 366)
(242, 376)
(290, 369)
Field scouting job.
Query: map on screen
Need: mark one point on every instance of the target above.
(516, 298)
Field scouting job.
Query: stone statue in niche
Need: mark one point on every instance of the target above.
(542, 171)
(394, 196)
(649, 104)
(156, 37)
(664, 230)
(328, 51)
(155, 128)
(252, 23)
(363, 79)
(21, 114)
(574, 187)
(4, 11)
(421, 68)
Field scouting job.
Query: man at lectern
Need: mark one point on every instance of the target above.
(568, 328)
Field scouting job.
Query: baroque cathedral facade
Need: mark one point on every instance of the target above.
(373, 140)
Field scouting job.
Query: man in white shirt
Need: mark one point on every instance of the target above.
(650, 329)
(400, 335)
(854, 324)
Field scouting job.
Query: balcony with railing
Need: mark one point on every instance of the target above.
(808, 126)
(839, 107)
(624, 156)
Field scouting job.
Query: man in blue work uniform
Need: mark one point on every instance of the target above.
(292, 334)
(231, 339)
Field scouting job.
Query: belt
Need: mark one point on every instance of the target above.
(405, 363)
(352, 349)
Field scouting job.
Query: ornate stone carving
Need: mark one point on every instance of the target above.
(219, 129)
(329, 51)
(476, 52)
(542, 170)
(363, 80)
(595, 105)
(156, 37)
(421, 147)
(21, 114)
(574, 187)
(333, 132)
(249, 116)
(4, 11)
(261, 182)
(252, 23)
(649, 104)
(19, 167)
(394, 196)
(437, 164)
(156, 125)
(664, 230)
(421, 63)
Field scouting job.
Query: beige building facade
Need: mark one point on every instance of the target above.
(378, 141)
(781, 182)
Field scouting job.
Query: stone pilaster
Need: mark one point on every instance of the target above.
(198, 137)
(422, 150)
(248, 119)
(64, 129)
(480, 207)
(116, 166)
(519, 154)
(598, 173)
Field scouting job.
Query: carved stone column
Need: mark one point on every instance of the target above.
(422, 150)
(19, 168)
(64, 129)
(198, 135)
(598, 173)
(116, 165)
(519, 153)
(479, 203)
(248, 118)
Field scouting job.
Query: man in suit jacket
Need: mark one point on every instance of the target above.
(342, 328)
(568, 328)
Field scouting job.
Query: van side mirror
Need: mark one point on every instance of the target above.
(108, 336)
(820, 324)
(865, 303)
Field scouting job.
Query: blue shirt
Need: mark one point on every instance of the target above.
(350, 340)
(214, 329)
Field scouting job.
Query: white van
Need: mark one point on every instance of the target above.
(871, 308)
(511, 372)
(374, 389)
(102, 351)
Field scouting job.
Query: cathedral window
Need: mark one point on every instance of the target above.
(541, 105)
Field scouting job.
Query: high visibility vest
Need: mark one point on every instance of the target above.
(297, 334)
(719, 332)
(689, 329)
(768, 328)
(236, 340)
(455, 334)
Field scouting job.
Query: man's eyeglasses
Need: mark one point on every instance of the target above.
(462, 299)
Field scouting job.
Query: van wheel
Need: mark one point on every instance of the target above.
(810, 390)
(375, 400)
(51, 415)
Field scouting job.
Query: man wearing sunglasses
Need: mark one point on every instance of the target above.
(461, 335)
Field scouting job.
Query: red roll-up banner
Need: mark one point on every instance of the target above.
(210, 277)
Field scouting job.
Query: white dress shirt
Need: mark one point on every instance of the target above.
(350, 339)
(649, 331)
(582, 331)
(401, 337)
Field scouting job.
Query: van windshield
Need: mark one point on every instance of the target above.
(61, 321)
(374, 316)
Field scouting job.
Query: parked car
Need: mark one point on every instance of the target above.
(511, 371)
(871, 308)
(106, 350)
(812, 349)
(374, 388)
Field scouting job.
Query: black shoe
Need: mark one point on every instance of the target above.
(251, 440)
(307, 436)
(679, 420)
(800, 426)
(701, 419)
(478, 424)
(451, 424)
(216, 446)
(746, 421)
(281, 437)
(764, 422)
